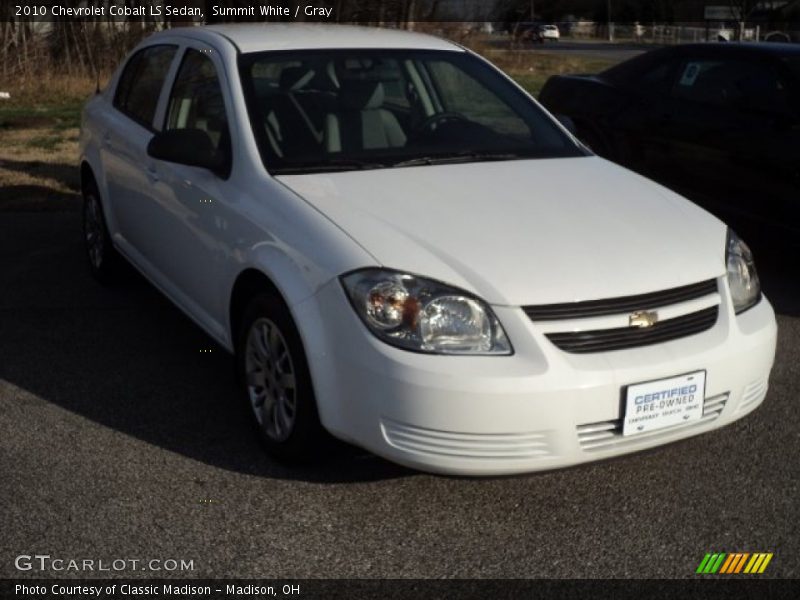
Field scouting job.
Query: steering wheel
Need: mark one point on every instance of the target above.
(433, 122)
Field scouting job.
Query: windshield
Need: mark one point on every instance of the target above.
(317, 111)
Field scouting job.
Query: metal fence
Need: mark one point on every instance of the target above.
(677, 33)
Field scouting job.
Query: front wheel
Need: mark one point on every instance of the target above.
(274, 375)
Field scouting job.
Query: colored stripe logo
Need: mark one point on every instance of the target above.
(734, 563)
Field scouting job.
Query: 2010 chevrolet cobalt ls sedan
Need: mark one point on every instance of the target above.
(404, 250)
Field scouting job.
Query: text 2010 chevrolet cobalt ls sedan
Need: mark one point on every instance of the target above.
(404, 250)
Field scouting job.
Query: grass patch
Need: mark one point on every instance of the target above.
(532, 82)
(532, 69)
(58, 115)
(48, 100)
(45, 142)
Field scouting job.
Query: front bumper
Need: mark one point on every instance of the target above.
(539, 409)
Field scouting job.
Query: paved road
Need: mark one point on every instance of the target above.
(119, 439)
(616, 52)
(600, 50)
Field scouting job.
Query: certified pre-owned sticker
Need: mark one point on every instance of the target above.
(663, 403)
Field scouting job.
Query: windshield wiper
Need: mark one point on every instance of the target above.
(459, 157)
(349, 164)
(327, 166)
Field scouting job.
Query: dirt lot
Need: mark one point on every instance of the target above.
(39, 140)
(38, 169)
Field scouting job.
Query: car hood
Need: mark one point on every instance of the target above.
(524, 231)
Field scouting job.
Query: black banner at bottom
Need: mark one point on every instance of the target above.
(707, 588)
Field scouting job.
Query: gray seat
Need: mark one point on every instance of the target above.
(360, 122)
(292, 131)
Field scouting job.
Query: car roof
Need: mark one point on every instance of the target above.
(633, 66)
(259, 37)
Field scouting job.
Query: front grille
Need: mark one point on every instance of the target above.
(607, 435)
(619, 338)
(623, 304)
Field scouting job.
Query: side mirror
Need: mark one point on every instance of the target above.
(568, 123)
(192, 147)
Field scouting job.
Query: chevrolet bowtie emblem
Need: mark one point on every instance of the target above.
(643, 318)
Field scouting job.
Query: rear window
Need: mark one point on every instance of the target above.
(140, 83)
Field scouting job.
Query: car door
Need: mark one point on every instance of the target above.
(190, 201)
(127, 130)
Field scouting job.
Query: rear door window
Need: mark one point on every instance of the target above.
(141, 81)
(657, 78)
(739, 84)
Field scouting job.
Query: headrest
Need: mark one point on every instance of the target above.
(294, 78)
(359, 94)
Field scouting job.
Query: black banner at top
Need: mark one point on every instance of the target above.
(386, 12)
(216, 11)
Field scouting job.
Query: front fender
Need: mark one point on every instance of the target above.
(90, 148)
(288, 241)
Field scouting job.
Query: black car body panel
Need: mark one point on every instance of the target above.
(719, 123)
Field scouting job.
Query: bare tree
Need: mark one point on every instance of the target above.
(742, 10)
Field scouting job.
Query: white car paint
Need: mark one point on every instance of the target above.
(310, 36)
(606, 239)
(520, 232)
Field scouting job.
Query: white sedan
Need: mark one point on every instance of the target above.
(404, 250)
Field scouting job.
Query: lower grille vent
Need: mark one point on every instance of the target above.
(605, 435)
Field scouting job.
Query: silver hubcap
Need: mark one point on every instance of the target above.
(93, 229)
(270, 379)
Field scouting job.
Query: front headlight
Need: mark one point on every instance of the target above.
(742, 277)
(422, 315)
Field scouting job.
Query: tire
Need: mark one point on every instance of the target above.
(102, 257)
(276, 384)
